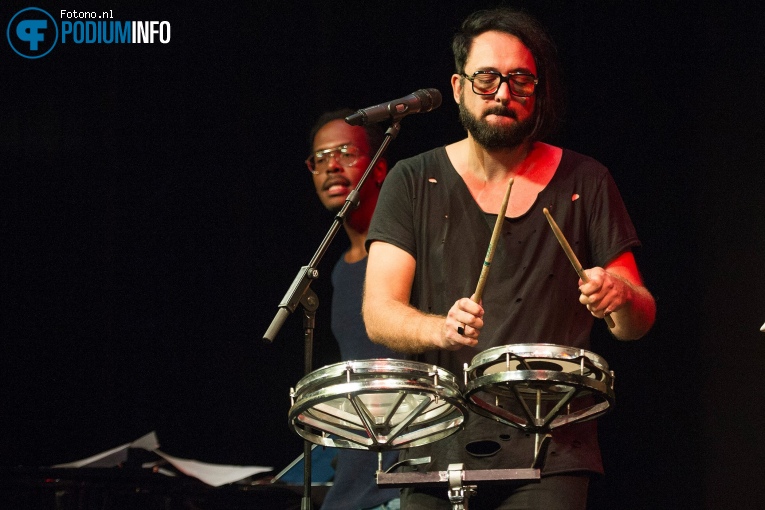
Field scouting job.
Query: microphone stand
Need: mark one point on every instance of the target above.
(300, 293)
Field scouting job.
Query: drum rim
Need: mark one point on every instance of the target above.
(398, 368)
(493, 353)
(604, 387)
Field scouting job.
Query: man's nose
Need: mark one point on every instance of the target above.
(333, 165)
(503, 94)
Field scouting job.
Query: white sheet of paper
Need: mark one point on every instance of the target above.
(212, 474)
(147, 442)
(115, 456)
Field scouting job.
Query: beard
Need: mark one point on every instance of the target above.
(496, 137)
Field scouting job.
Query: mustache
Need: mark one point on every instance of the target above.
(501, 110)
(332, 181)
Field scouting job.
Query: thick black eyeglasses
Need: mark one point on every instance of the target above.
(346, 155)
(486, 83)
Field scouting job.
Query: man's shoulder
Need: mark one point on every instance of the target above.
(578, 160)
(427, 158)
(428, 165)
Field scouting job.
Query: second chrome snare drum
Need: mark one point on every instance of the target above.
(538, 387)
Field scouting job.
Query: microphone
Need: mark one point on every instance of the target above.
(422, 100)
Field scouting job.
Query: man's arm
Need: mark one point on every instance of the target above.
(618, 289)
(390, 319)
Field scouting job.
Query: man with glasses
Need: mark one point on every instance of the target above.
(340, 154)
(430, 234)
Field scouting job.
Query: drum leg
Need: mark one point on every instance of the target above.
(538, 415)
(540, 453)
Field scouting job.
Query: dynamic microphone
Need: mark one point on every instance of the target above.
(422, 100)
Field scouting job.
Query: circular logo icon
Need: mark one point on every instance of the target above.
(32, 32)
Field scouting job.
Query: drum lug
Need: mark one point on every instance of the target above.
(348, 371)
(434, 374)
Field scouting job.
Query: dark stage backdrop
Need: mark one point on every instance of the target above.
(155, 208)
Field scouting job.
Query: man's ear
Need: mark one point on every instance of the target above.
(380, 171)
(457, 82)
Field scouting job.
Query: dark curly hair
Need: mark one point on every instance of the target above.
(549, 94)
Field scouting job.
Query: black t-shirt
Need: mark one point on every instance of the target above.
(531, 293)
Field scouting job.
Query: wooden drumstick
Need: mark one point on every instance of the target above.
(490, 252)
(492, 244)
(572, 257)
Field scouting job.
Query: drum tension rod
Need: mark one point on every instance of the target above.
(434, 373)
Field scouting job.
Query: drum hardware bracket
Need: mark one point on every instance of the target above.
(541, 453)
(452, 476)
(458, 492)
(436, 478)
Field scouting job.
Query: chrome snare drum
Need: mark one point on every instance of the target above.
(538, 387)
(377, 404)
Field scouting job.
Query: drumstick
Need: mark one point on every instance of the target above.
(492, 244)
(490, 252)
(572, 257)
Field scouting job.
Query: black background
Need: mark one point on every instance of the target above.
(155, 209)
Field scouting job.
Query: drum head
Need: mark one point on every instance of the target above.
(538, 387)
(377, 405)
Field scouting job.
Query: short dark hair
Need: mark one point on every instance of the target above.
(549, 95)
(375, 133)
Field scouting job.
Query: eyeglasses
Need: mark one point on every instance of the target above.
(486, 83)
(346, 155)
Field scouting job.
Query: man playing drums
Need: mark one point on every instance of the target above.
(430, 231)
